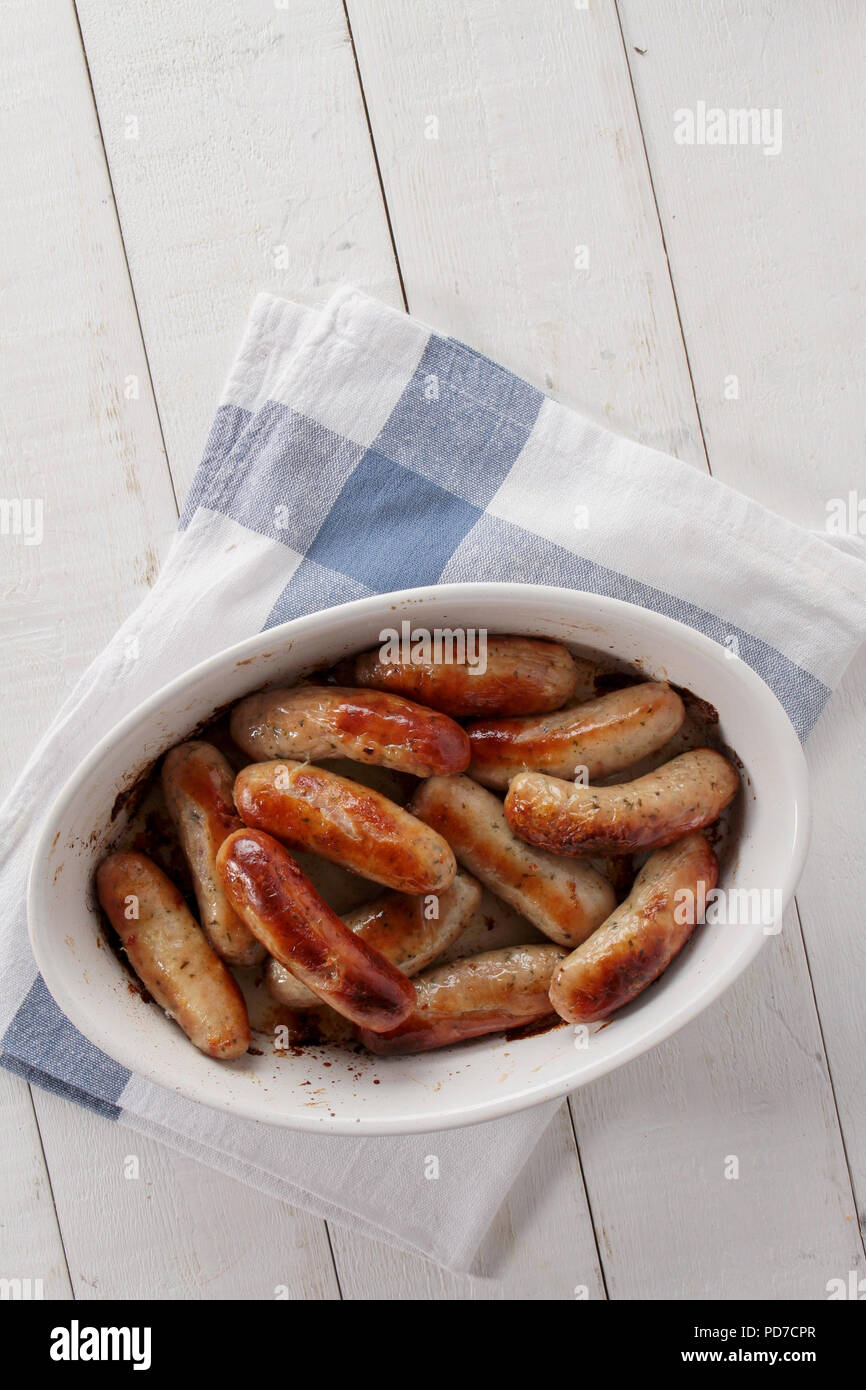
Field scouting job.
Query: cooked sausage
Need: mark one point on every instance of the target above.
(479, 994)
(341, 820)
(564, 904)
(397, 925)
(602, 736)
(370, 726)
(640, 939)
(279, 904)
(688, 793)
(171, 956)
(197, 784)
(523, 675)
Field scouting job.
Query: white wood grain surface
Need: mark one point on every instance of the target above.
(169, 1227)
(509, 137)
(71, 349)
(30, 1239)
(252, 170)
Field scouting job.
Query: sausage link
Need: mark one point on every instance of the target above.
(688, 793)
(603, 736)
(564, 904)
(640, 939)
(371, 726)
(197, 784)
(478, 994)
(279, 904)
(523, 675)
(339, 819)
(171, 955)
(397, 926)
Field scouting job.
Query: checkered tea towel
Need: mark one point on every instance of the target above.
(356, 452)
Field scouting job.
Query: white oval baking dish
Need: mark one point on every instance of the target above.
(329, 1090)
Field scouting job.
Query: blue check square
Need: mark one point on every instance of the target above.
(390, 528)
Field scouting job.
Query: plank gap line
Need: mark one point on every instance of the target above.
(588, 1200)
(391, 236)
(333, 1259)
(652, 188)
(125, 256)
(840, 1126)
(57, 1220)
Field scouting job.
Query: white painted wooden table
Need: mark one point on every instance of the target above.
(508, 170)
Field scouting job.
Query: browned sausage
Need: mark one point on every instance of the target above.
(399, 927)
(171, 956)
(279, 904)
(640, 939)
(321, 721)
(688, 793)
(341, 820)
(479, 994)
(602, 736)
(564, 904)
(523, 675)
(197, 784)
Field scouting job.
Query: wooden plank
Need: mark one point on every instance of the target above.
(30, 1244)
(714, 1164)
(538, 149)
(193, 1233)
(766, 252)
(830, 899)
(77, 446)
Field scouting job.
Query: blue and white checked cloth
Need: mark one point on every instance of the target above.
(356, 452)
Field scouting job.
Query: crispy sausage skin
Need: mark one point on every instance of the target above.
(523, 675)
(197, 784)
(371, 726)
(563, 904)
(603, 735)
(688, 793)
(397, 926)
(339, 819)
(171, 955)
(479, 994)
(640, 939)
(281, 907)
